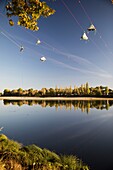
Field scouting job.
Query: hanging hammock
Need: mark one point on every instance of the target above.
(21, 48)
(43, 59)
(91, 28)
(84, 37)
(38, 42)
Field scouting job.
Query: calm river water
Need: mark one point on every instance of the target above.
(74, 127)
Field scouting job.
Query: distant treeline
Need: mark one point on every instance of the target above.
(83, 90)
(84, 105)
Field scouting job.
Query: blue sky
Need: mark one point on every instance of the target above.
(70, 61)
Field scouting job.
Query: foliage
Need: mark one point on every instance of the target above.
(17, 157)
(28, 12)
(83, 91)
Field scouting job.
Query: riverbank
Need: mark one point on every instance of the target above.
(54, 98)
(14, 155)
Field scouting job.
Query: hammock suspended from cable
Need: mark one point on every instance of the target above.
(43, 59)
(84, 37)
(38, 42)
(21, 48)
(91, 28)
(1, 128)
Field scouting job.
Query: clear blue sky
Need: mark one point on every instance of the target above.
(70, 61)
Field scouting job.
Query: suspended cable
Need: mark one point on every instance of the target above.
(85, 11)
(72, 15)
(59, 51)
(89, 18)
(84, 36)
(10, 39)
(55, 49)
(42, 41)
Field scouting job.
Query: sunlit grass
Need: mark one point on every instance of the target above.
(14, 155)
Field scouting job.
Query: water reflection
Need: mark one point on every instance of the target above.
(65, 130)
(83, 105)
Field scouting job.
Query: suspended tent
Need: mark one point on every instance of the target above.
(38, 42)
(84, 37)
(43, 59)
(91, 28)
(21, 48)
(1, 128)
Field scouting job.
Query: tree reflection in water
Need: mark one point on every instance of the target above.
(84, 105)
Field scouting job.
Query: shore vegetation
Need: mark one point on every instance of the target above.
(82, 91)
(15, 156)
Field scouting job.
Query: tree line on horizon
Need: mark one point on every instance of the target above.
(83, 91)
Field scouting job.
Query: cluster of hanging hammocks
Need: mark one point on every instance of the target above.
(37, 43)
(83, 37)
(91, 28)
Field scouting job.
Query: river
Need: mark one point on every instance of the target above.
(82, 128)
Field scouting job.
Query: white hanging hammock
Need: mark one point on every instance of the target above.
(38, 42)
(91, 28)
(1, 128)
(43, 59)
(21, 48)
(84, 37)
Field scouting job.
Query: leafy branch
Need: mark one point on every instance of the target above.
(28, 12)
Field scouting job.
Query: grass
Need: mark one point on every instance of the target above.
(15, 156)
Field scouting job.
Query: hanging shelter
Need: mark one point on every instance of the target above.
(38, 42)
(1, 128)
(84, 37)
(43, 59)
(21, 48)
(91, 28)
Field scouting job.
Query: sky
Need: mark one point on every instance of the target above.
(69, 60)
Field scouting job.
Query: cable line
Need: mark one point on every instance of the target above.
(72, 15)
(10, 39)
(90, 20)
(85, 11)
(84, 36)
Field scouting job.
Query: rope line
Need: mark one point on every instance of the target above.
(100, 36)
(72, 15)
(85, 11)
(10, 39)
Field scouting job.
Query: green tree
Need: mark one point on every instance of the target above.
(14, 92)
(30, 92)
(87, 88)
(7, 92)
(51, 92)
(20, 92)
(28, 12)
(70, 91)
(99, 91)
(56, 91)
(106, 90)
(43, 90)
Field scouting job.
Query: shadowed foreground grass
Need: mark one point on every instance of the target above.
(15, 156)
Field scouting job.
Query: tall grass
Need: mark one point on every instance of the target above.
(15, 156)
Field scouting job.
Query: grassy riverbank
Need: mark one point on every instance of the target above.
(15, 156)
